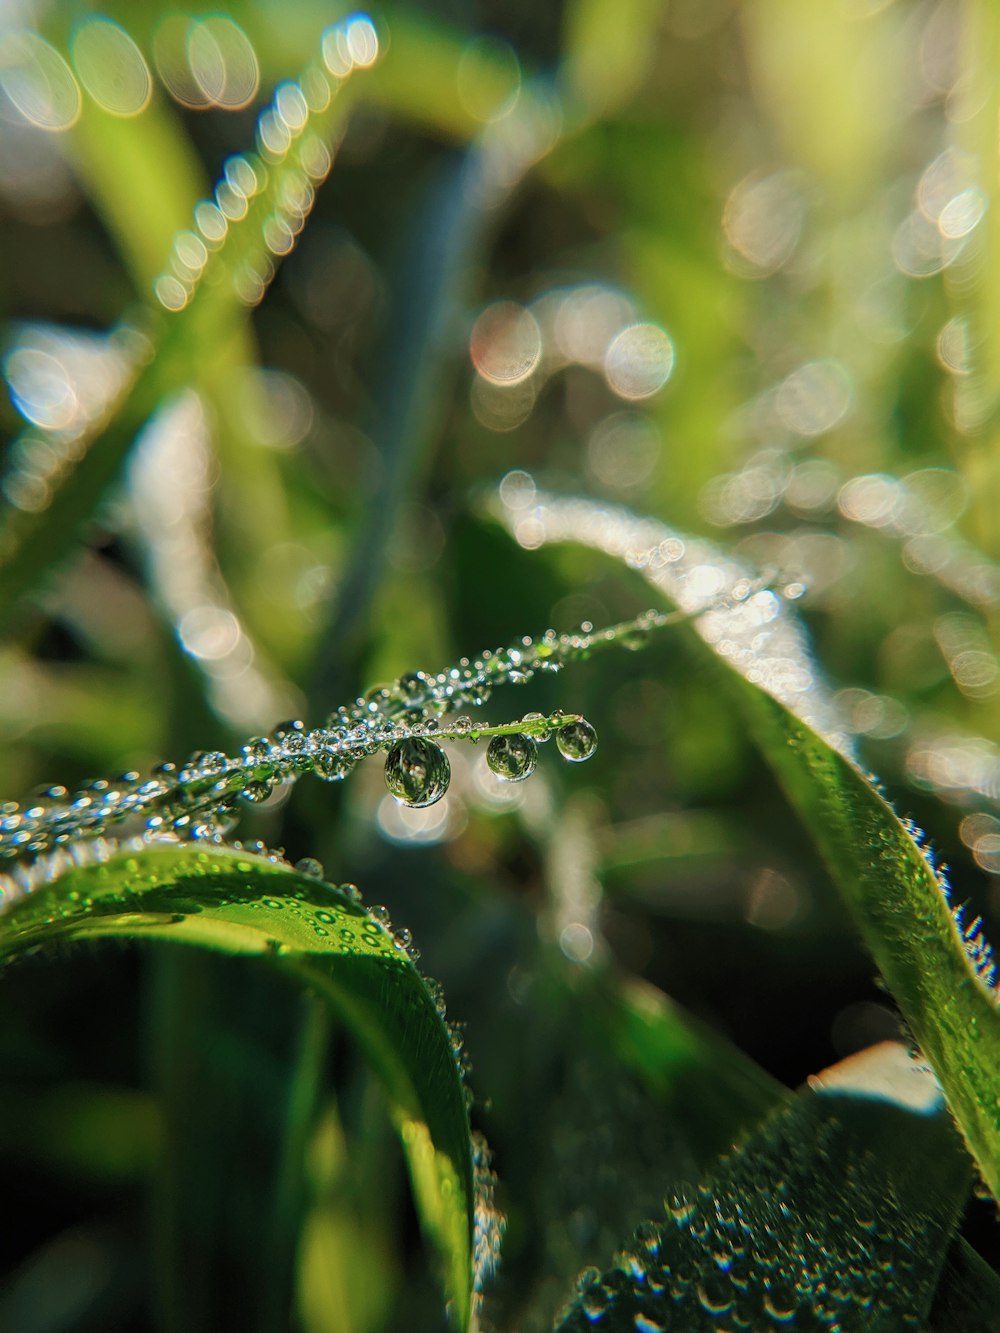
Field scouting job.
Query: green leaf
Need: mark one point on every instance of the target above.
(242, 904)
(837, 1211)
(938, 977)
(898, 903)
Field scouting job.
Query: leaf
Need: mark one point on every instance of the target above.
(243, 904)
(940, 978)
(897, 901)
(836, 1212)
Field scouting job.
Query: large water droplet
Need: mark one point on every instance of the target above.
(576, 741)
(417, 772)
(512, 758)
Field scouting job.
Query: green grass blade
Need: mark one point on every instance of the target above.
(940, 976)
(835, 1212)
(898, 903)
(242, 904)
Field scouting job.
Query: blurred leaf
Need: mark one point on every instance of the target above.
(212, 308)
(240, 904)
(837, 1211)
(609, 50)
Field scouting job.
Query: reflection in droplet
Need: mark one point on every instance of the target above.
(506, 343)
(38, 81)
(417, 772)
(639, 361)
(111, 67)
(576, 741)
(512, 758)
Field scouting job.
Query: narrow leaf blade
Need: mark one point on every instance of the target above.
(242, 904)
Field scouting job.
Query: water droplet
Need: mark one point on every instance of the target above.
(333, 767)
(715, 1295)
(417, 772)
(512, 758)
(257, 750)
(576, 741)
(310, 866)
(257, 791)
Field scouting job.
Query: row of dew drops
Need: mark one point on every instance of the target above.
(200, 799)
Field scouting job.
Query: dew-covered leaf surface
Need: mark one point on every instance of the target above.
(241, 904)
(835, 1213)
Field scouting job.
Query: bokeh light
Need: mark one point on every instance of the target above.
(37, 81)
(111, 67)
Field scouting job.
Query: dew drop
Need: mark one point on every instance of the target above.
(333, 767)
(257, 791)
(417, 772)
(310, 867)
(576, 741)
(257, 750)
(512, 758)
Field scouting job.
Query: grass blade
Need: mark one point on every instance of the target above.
(940, 972)
(238, 903)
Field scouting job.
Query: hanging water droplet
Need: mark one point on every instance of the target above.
(417, 772)
(576, 741)
(512, 758)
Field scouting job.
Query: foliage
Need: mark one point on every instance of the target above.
(472, 311)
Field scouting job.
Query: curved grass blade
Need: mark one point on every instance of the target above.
(940, 973)
(898, 900)
(835, 1213)
(238, 903)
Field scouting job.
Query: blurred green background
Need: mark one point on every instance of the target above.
(735, 266)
